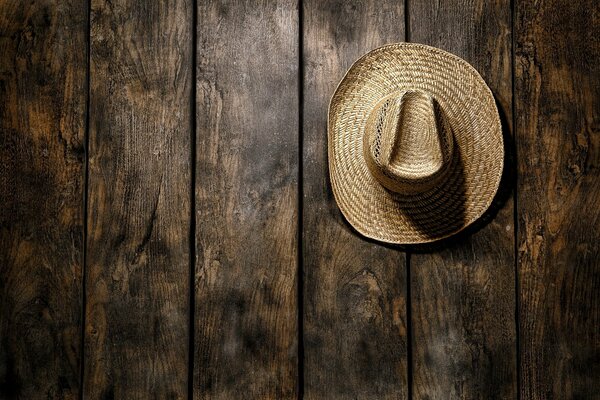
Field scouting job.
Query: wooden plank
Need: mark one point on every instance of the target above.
(558, 145)
(354, 297)
(246, 199)
(42, 129)
(463, 305)
(137, 281)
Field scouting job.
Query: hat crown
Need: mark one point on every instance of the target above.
(408, 142)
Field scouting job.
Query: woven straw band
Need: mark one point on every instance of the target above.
(415, 144)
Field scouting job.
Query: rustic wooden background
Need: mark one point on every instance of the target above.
(167, 229)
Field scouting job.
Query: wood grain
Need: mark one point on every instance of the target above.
(354, 298)
(463, 304)
(42, 128)
(246, 200)
(137, 279)
(558, 143)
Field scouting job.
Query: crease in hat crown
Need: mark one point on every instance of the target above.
(407, 143)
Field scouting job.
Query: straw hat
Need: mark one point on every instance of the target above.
(415, 144)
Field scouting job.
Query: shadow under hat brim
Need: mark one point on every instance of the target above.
(476, 168)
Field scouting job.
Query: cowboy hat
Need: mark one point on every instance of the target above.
(415, 144)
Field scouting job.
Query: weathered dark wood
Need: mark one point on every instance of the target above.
(558, 147)
(42, 130)
(463, 305)
(137, 278)
(355, 290)
(246, 200)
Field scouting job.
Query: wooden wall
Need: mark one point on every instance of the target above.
(167, 228)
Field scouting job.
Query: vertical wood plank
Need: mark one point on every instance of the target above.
(463, 302)
(558, 147)
(139, 210)
(246, 200)
(42, 129)
(354, 298)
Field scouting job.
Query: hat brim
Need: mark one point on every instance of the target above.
(477, 164)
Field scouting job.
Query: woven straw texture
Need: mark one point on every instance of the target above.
(415, 144)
